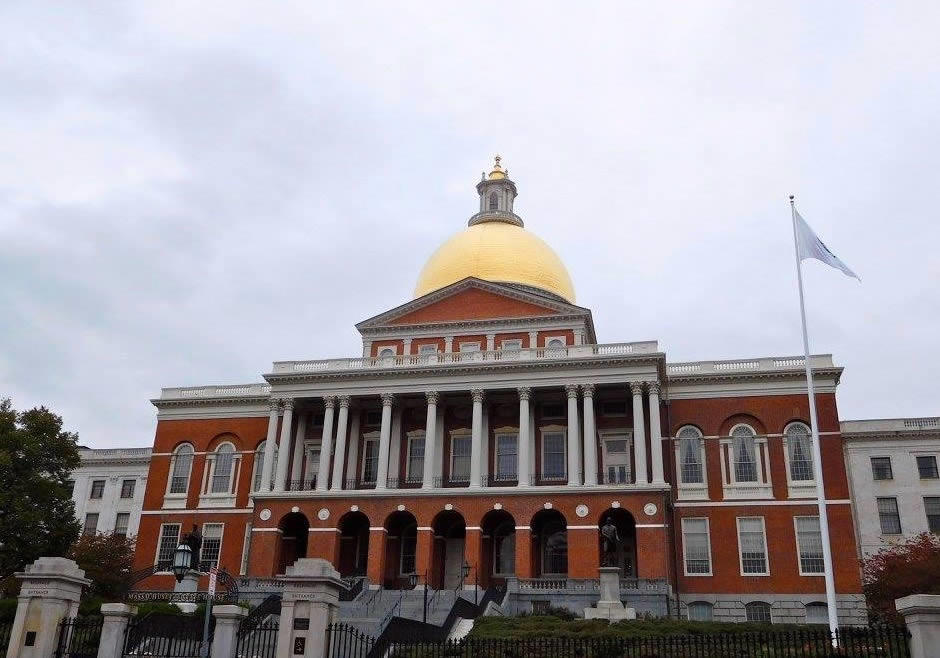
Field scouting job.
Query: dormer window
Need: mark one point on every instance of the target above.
(494, 201)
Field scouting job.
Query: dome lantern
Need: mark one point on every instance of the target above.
(497, 193)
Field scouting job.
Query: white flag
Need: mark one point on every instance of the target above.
(810, 246)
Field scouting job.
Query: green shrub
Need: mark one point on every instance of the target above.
(7, 609)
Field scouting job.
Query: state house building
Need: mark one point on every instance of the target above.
(485, 424)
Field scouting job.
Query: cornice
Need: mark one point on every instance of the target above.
(452, 327)
(160, 403)
(726, 378)
(893, 435)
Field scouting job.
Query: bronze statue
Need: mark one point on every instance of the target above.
(611, 539)
(193, 539)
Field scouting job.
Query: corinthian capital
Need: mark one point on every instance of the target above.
(636, 388)
(432, 396)
(587, 390)
(343, 401)
(329, 401)
(653, 388)
(571, 390)
(387, 399)
(477, 395)
(288, 404)
(274, 404)
(525, 393)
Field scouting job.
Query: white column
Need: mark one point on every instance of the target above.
(533, 339)
(340, 459)
(297, 461)
(476, 437)
(490, 342)
(448, 343)
(590, 436)
(574, 443)
(326, 443)
(656, 439)
(430, 441)
(266, 464)
(283, 446)
(524, 467)
(639, 435)
(395, 448)
(352, 462)
(381, 480)
(406, 346)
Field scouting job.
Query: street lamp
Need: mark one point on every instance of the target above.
(182, 561)
(464, 572)
(413, 581)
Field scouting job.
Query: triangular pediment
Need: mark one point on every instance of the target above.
(472, 300)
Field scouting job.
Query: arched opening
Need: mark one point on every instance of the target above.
(550, 541)
(624, 554)
(494, 201)
(353, 544)
(498, 554)
(401, 545)
(294, 529)
(447, 552)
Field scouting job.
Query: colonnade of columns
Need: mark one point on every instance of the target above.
(581, 440)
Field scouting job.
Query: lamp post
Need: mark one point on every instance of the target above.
(413, 581)
(464, 572)
(182, 564)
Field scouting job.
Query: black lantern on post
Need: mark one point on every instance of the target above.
(182, 561)
(412, 580)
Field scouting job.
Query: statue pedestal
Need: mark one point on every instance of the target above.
(189, 584)
(609, 607)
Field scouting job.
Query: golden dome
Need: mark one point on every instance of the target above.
(499, 252)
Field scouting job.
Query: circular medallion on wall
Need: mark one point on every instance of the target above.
(547, 505)
(448, 507)
(650, 509)
(264, 514)
(615, 504)
(294, 509)
(581, 510)
(497, 506)
(400, 508)
(323, 514)
(353, 508)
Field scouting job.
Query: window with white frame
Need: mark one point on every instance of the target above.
(97, 489)
(889, 516)
(617, 458)
(809, 545)
(553, 455)
(507, 444)
(127, 488)
(169, 540)
(259, 466)
(222, 469)
(370, 460)
(460, 448)
(799, 452)
(758, 611)
(180, 468)
(91, 524)
(121, 521)
(700, 611)
(932, 509)
(752, 544)
(211, 545)
(744, 454)
(312, 468)
(414, 466)
(696, 547)
(691, 455)
(512, 345)
(817, 613)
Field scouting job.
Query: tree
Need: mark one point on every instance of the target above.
(37, 515)
(107, 560)
(912, 567)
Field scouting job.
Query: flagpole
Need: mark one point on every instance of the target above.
(817, 454)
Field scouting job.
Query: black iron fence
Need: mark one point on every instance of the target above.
(260, 641)
(166, 636)
(78, 637)
(344, 641)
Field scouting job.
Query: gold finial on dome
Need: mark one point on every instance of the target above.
(498, 171)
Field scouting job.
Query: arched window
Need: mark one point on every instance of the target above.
(700, 611)
(182, 464)
(817, 613)
(259, 467)
(799, 452)
(222, 463)
(504, 549)
(758, 611)
(386, 353)
(494, 201)
(691, 458)
(554, 549)
(555, 344)
(744, 453)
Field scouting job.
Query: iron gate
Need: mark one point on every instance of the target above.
(167, 636)
(348, 642)
(78, 637)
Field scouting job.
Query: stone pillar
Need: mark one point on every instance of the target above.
(921, 614)
(430, 442)
(225, 637)
(523, 552)
(609, 607)
(352, 458)
(326, 443)
(590, 436)
(490, 342)
(268, 461)
(641, 476)
(524, 446)
(50, 591)
(476, 438)
(376, 562)
(533, 339)
(283, 446)
(574, 442)
(339, 460)
(406, 346)
(385, 434)
(297, 461)
(656, 440)
(448, 343)
(308, 606)
(189, 585)
(115, 617)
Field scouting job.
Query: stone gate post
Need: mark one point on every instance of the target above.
(921, 613)
(51, 590)
(308, 606)
(225, 638)
(115, 617)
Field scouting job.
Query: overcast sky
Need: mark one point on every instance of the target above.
(190, 191)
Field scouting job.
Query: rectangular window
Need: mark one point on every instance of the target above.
(169, 540)
(506, 448)
(553, 456)
(881, 468)
(511, 345)
(753, 546)
(121, 522)
(370, 461)
(927, 467)
(460, 459)
(469, 347)
(415, 466)
(127, 488)
(617, 460)
(696, 547)
(809, 545)
(91, 524)
(426, 350)
(97, 489)
(889, 516)
(211, 545)
(932, 507)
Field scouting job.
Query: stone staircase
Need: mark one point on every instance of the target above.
(371, 611)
